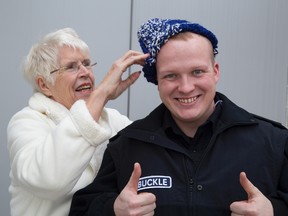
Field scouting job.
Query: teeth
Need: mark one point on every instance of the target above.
(187, 100)
(84, 87)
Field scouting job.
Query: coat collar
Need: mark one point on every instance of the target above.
(48, 107)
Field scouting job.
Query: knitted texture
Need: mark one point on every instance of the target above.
(153, 34)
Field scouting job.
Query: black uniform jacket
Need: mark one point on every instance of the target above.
(241, 142)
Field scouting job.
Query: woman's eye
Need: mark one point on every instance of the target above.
(86, 63)
(71, 66)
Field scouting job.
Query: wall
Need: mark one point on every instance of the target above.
(253, 50)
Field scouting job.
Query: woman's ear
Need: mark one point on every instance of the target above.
(43, 86)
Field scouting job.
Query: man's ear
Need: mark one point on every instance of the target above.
(43, 86)
(217, 71)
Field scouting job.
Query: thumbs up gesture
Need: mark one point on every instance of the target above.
(129, 202)
(256, 204)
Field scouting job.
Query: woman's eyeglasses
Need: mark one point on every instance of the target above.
(74, 67)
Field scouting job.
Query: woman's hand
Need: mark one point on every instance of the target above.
(112, 85)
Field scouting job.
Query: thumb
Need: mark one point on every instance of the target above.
(134, 178)
(250, 189)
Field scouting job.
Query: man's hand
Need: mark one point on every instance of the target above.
(129, 202)
(256, 205)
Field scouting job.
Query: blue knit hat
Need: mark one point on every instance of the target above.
(153, 34)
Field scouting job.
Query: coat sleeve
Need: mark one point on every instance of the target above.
(279, 199)
(48, 159)
(98, 197)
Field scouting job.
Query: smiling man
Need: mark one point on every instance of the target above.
(192, 154)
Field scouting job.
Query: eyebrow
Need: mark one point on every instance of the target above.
(76, 60)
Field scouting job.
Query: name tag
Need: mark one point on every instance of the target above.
(154, 182)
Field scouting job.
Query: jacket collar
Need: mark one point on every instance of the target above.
(48, 107)
(150, 128)
(233, 114)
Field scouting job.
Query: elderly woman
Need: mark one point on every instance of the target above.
(56, 143)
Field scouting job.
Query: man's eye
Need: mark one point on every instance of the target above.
(170, 76)
(198, 72)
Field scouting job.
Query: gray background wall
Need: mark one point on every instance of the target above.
(253, 50)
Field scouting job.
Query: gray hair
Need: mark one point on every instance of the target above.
(43, 56)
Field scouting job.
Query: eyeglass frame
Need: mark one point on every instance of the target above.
(88, 67)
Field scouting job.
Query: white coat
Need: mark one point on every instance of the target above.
(54, 152)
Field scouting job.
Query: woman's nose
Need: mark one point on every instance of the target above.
(82, 70)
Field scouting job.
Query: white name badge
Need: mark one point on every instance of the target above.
(155, 181)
